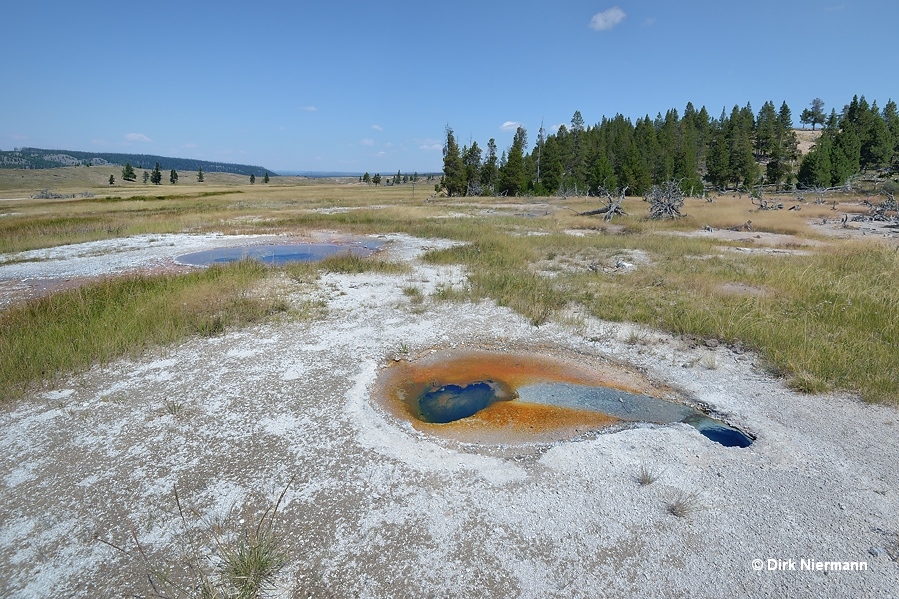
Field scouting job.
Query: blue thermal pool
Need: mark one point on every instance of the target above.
(275, 254)
(482, 396)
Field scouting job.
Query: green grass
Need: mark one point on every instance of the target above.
(70, 330)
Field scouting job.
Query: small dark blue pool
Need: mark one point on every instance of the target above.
(455, 402)
(274, 254)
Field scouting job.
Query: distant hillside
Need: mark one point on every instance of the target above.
(33, 158)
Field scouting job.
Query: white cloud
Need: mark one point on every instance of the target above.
(555, 128)
(136, 137)
(309, 108)
(510, 126)
(605, 20)
(431, 147)
(367, 141)
(377, 127)
(381, 154)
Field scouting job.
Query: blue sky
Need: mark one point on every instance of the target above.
(369, 86)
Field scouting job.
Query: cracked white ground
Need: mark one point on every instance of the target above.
(377, 509)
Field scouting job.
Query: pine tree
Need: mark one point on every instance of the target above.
(146, 177)
(489, 169)
(156, 176)
(128, 172)
(512, 174)
(453, 172)
(877, 142)
(112, 179)
(252, 178)
(813, 115)
(471, 164)
(265, 179)
(173, 176)
(200, 175)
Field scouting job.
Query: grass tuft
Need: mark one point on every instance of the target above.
(647, 475)
(684, 504)
(213, 563)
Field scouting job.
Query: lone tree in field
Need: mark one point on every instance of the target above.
(813, 115)
(112, 179)
(128, 172)
(252, 179)
(146, 177)
(200, 175)
(265, 178)
(665, 200)
(156, 176)
(173, 176)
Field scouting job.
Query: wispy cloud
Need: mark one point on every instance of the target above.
(510, 126)
(555, 128)
(377, 127)
(367, 141)
(309, 108)
(381, 154)
(649, 22)
(605, 20)
(136, 137)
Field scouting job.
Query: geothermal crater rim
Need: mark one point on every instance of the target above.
(510, 397)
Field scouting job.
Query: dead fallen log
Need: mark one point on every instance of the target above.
(611, 209)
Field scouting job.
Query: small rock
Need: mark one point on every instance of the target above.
(711, 343)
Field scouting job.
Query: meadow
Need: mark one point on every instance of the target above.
(821, 310)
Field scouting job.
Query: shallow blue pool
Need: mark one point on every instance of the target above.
(274, 254)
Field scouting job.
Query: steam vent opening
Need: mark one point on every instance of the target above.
(479, 396)
(275, 254)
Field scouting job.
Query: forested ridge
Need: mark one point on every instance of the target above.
(31, 158)
(737, 150)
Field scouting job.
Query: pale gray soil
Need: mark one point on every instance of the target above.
(378, 509)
